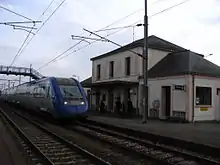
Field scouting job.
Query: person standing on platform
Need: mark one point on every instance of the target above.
(102, 106)
(118, 105)
(130, 108)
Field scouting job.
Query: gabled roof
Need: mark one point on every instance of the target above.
(185, 62)
(154, 42)
(86, 82)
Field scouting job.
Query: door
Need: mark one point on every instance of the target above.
(166, 101)
(49, 99)
(43, 98)
(97, 99)
(110, 100)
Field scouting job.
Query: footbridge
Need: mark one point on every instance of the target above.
(13, 70)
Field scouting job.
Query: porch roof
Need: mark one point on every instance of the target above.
(110, 83)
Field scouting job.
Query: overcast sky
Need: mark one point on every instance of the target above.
(194, 25)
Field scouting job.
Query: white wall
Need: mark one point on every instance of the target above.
(179, 100)
(182, 101)
(213, 112)
(119, 64)
(154, 56)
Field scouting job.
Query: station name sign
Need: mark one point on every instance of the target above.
(180, 87)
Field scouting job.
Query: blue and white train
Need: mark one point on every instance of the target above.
(63, 98)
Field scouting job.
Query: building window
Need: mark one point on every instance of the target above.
(98, 72)
(203, 96)
(127, 65)
(111, 69)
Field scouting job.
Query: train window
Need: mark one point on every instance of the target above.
(70, 91)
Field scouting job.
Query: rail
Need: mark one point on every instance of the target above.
(163, 153)
(52, 148)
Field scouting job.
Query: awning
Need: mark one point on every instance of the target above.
(113, 83)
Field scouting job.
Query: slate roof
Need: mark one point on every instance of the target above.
(86, 82)
(185, 62)
(154, 42)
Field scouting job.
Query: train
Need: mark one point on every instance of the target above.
(63, 98)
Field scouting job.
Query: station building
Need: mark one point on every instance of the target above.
(182, 83)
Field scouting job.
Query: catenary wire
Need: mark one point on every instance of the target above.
(70, 48)
(76, 50)
(55, 59)
(23, 46)
(47, 7)
(21, 50)
(2, 7)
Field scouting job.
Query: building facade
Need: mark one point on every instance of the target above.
(182, 84)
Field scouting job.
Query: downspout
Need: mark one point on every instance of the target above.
(193, 96)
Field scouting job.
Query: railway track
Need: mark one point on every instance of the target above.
(107, 152)
(45, 147)
(161, 153)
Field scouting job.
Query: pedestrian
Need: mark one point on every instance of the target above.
(118, 106)
(102, 106)
(130, 108)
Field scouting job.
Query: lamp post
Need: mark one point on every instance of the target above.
(145, 67)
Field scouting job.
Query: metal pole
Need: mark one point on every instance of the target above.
(133, 33)
(30, 72)
(9, 83)
(145, 68)
(19, 79)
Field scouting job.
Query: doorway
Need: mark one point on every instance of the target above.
(97, 99)
(110, 100)
(166, 101)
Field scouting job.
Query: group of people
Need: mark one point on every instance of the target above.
(120, 108)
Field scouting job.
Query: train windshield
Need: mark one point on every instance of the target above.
(71, 91)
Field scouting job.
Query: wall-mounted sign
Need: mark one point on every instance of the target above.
(203, 108)
(179, 87)
(197, 101)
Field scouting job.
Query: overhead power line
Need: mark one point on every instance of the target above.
(47, 7)
(107, 40)
(15, 13)
(123, 27)
(22, 48)
(19, 50)
(60, 55)
(78, 49)
(171, 7)
(120, 29)
(20, 22)
(19, 26)
(70, 48)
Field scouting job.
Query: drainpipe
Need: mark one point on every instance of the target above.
(193, 96)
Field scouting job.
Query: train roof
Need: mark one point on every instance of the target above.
(60, 80)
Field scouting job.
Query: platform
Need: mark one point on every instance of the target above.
(9, 153)
(203, 133)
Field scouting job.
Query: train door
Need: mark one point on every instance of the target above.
(45, 99)
(49, 98)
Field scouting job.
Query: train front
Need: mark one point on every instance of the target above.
(74, 101)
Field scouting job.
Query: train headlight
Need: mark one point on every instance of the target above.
(82, 103)
(65, 102)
